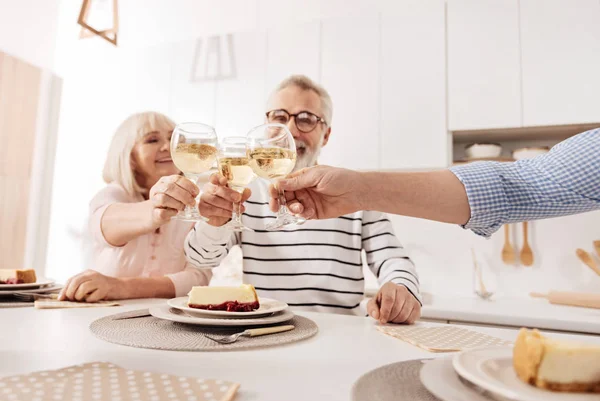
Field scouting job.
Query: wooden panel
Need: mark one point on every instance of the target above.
(19, 92)
(561, 58)
(484, 75)
(413, 87)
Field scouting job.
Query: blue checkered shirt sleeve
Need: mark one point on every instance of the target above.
(564, 181)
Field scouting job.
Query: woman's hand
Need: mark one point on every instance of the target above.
(170, 195)
(91, 286)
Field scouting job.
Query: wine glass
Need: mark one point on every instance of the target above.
(272, 152)
(234, 165)
(194, 151)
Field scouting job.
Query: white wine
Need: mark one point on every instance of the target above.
(272, 163)
(237, 170)
(194, 158)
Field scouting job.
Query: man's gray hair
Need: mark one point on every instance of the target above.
(305, 83)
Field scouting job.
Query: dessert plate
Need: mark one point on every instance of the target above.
(440, 379)
(492, 370)
(165, 312)
(267, 307)
(41, 282)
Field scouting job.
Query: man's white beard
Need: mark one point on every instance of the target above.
(309, 158)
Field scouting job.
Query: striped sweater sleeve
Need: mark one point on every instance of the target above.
(386, 257)
(206, 246)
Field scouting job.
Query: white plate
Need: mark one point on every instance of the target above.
(267, 307)
(176, 315)
(440, 379)
(492, 370)
(42, 290)
(15, 287)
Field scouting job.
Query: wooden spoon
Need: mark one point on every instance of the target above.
(508, 252)
(526, 252)
(597, 247)
(588, 260)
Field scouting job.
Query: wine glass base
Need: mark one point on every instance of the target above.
(193, 217)
(238, 227)
(284, 220)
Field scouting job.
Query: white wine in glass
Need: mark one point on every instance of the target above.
(194, 151)
(272, 152)
(234, 165)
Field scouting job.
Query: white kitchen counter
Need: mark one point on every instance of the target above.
(515, 312)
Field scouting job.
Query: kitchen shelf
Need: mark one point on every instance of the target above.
(555, 132)
(489, 159)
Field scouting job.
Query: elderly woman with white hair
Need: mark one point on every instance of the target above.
(137, 250)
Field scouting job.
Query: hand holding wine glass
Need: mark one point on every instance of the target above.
(217, 200)
(234, 166)
(272, 152)
(170, 195)
(193, 150)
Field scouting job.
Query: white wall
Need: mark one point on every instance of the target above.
(28, 30)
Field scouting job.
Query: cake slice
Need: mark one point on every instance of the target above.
(230, 299)
(8, 276)
(556, 365)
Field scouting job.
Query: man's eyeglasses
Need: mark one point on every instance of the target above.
(305, 121)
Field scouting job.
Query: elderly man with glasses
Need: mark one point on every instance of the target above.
(316, 265)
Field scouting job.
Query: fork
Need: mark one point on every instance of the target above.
(25, 296)
(250, 333)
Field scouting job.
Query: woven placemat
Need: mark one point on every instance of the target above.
(395, 382)
(151, 332)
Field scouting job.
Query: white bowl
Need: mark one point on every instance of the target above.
(483, 150)
(529, 153)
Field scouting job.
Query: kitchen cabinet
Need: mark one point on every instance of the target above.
(350, 73)
(560, 43)
(484, 75)
(240, 99)
(413, 87)
(293, 50)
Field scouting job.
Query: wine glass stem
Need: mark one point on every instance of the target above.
(283, 210)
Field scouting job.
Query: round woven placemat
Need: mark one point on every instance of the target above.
(395, 382)
(151, 332)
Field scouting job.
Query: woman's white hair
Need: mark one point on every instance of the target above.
(118, 166)
(305, 83)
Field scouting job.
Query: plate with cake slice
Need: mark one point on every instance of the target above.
(536, 368)
(16, 279)
(226, 302)
(176, 315)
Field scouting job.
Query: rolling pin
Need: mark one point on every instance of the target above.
(585, 300)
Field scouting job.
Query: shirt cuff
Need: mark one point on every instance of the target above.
(486, 196)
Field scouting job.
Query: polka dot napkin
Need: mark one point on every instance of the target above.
(105, 381)
(442, 338)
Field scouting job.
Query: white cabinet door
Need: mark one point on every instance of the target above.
(484, 76)
(240, 100)
(294, 49)
(349, 72)
(192, 94)
(561, 61)
(413, 101)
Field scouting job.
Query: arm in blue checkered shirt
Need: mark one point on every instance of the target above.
(562, 182)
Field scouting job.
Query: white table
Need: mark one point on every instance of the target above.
(322, 368)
